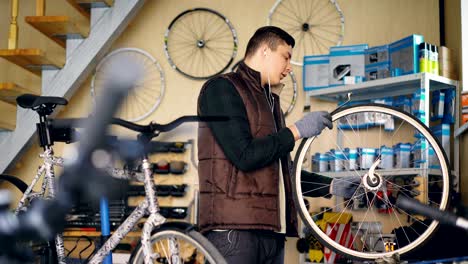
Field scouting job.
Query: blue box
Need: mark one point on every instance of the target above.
(404, 57)
(315, 72)
(346, 61)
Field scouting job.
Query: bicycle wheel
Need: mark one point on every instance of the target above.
(193, 247)
(146, 95)
(351, 190)
(200, 43)
(315, 25)
(287, 91)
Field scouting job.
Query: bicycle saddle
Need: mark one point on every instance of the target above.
(31, 101)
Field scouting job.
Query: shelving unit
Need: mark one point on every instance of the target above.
(161, 150)
(401, 85)
(390, 87)
(399, 172)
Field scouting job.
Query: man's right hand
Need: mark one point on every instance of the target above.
(312, 124)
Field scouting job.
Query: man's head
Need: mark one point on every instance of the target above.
(269, 52)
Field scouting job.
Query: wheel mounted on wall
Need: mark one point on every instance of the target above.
(200, 43)
(146, 96)
(316, 25)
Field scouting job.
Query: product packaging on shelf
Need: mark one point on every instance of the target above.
(404, 54)
(315, 72)
(402, 155)
(377, 63)
(438, 100)
(346, 61)
(368, 156)
(386, 155)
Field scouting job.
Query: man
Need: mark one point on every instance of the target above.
(246, 207)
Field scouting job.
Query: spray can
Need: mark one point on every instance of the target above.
(424, 62)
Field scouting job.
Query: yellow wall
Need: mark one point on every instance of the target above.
(366, 21)
(453, 39)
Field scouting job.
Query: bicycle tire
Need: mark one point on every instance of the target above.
(194, 49)
(196, 240)
(18, 183)
(350, 250)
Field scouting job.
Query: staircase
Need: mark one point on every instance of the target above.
(85, 39)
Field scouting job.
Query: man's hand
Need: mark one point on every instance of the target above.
(311, 125)
(345, 187)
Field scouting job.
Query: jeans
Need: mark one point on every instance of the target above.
(249, 246)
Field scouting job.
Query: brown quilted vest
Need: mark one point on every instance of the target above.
(234, 199)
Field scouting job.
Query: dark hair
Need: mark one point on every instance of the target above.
(272, 36)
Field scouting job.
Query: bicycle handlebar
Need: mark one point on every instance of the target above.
(416, 207)
(150, 128)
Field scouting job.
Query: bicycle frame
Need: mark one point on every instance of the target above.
(48, 184)
(149, 205)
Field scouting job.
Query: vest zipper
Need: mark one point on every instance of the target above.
(272, 107)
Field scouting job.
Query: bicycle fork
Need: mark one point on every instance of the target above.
(154, 219)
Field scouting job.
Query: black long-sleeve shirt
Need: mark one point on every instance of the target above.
(234, 136)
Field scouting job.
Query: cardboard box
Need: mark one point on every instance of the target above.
(346, 61)
(315, 72)
(404, 57)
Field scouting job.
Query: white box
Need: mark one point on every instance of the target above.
(346, 61)
(315, 72)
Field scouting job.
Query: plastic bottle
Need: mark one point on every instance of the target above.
(424, 62)
(435, 60)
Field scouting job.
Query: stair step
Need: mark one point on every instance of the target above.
(8, 120)
(9, 91)
(58, 28)
(33, 60)
(84, 6)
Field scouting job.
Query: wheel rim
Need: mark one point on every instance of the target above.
(367, 184)
(147, 94)
(200, 43)
(315, 25)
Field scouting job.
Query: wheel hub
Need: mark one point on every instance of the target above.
(372, 180)
(200, 43)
